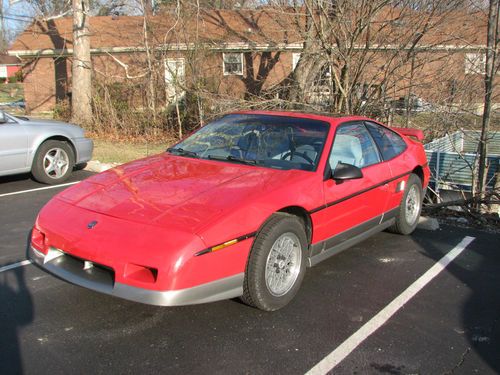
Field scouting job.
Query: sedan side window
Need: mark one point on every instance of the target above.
(389, 143)
(353, 145)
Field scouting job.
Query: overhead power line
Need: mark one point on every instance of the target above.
(16, 19)
(17, 15)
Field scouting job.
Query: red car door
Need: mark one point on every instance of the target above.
(352, 207)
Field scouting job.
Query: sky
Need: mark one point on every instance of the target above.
(16, 17)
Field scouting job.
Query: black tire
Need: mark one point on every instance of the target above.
(49, 148)
(403, 224)
(80, 167)
(256, 291)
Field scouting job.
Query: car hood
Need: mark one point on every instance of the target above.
(171, 191)
(34, 124)
(41, 122)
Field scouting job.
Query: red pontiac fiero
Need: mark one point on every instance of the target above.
(238, 209)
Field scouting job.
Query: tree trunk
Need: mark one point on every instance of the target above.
(489, 82)
(82, 65)
(302, 76)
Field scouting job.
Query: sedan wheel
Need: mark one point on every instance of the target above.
(56, 163)
(276, 265)
(53, 163)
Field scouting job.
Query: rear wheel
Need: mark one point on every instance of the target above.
(53, 162)
(276, 265)
(409, 208)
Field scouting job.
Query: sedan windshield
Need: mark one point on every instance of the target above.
(271, 141)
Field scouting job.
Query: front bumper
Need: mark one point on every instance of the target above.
(101, 279)
(84, 148)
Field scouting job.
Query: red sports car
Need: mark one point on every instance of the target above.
(238, 209)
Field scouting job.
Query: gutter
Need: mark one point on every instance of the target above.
(240, 47)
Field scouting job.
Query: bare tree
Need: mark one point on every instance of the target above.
(50, 9)
(489, 84)
(53, 9)
(357, 51)
(82, 64)
(363, 53)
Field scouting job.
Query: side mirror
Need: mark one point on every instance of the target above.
(345, 171)
(3, 118)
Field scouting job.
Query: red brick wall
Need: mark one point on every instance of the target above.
(432, 81)
(39, 85)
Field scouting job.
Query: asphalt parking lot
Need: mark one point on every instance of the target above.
(372, 309)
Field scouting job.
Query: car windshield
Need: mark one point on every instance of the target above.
(279, 142)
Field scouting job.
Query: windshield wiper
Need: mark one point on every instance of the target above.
(233, 159)
(181, 151)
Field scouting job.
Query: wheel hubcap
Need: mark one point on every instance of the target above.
(283, 264)
(56, 163)
(412, 205)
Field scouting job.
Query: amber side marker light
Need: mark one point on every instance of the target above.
(224, 244)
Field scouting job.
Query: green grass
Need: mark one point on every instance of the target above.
(121, 152)
(10, 92)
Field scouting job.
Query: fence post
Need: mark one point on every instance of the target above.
(438, 161)
(495, 208)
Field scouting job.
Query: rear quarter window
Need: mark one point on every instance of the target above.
(389, 143)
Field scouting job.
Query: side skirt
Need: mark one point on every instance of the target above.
(340, 242)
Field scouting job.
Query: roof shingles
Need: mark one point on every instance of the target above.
(214, 27)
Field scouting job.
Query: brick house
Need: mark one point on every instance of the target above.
(235, 54)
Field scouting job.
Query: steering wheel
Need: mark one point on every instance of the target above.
(302, 155)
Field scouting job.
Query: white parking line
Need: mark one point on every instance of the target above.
(38, 189)
(342, 351)
(15, 265)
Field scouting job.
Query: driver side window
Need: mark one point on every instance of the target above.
(353, 145)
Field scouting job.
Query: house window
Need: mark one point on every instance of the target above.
(232, 63)
(175, 73)
(475, 63)
(295, 59)
(324, 77)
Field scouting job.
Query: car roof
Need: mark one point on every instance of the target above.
(333, 118)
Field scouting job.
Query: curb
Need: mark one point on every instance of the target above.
(97, 166)
(428, 223)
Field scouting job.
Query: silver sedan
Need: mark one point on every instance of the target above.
(48, 149)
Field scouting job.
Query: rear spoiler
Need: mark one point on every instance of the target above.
(409, 132)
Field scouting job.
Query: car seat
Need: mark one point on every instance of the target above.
(247, 146)
(346, 149)
(307, 150)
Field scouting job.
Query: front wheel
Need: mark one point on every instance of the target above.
(409, 208)
(53, 163)
(276, 265)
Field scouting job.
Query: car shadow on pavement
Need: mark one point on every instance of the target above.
(16, 311)
(16, 177)
(478, 268)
